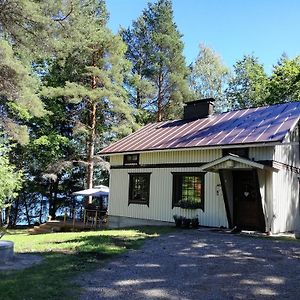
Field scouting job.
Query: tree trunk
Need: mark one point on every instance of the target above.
(159, 99)
(51, 203)
(8, 210)
(27, 212)
(16, 212)
(92, 136)
(91, 147)
(41, 210)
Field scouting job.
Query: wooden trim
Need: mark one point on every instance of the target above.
(279, 165)
(236, 159)
(131, 163)
(225, 197)
(132, 201)
(261, 215)
(159, 166)
(175, 185)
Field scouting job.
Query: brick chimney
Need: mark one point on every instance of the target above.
(199, 109)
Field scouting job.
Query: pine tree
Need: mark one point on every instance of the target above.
(155, 49)
(92, 68)
(22, 32)
(19, 100)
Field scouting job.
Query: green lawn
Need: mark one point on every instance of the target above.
(65, 256)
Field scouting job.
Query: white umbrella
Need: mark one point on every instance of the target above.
(97, 191)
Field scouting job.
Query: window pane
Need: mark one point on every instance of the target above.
(188, 190)
(131, 159)
(191, 188)
(139, 188)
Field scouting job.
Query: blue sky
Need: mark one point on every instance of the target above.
(232, 28)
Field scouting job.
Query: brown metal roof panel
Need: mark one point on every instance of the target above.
(167, 132)
(259, 127)
(232, 128)
(280, 124)
(248, 131)
(185, 135)
(263, 124)
(219, 128)
(123, 143)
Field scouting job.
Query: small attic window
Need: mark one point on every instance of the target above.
(131, 159)
(242, 152)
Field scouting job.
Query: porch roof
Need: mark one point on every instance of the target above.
(232, 161)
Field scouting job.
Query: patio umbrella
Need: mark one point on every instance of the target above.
(97, 191)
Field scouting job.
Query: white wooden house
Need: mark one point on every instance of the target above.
(241, 168)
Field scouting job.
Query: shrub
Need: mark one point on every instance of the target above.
(189, 204)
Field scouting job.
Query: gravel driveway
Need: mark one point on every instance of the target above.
(200, 264)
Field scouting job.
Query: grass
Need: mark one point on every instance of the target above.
(65, 256)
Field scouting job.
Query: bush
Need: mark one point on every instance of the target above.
(189, 204)
(184, 222)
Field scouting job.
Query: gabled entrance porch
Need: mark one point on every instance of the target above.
(241, 191)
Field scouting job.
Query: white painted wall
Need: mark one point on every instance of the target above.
(286, 185)
(160, 204)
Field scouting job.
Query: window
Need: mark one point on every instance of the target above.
(139, 188)
(188, 190)
(131, 159)
(242, 152)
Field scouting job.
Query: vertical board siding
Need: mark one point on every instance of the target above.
(287, 154)
(186, 156)
(269, 200)
(261, 153)
(288, 151)
(116, 160)
(160, 202)
(286, 185)
(286, 201)
(192, 156)
(263, 179)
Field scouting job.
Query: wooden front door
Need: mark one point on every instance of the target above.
(247, 208)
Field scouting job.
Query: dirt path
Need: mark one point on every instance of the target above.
(200, 265)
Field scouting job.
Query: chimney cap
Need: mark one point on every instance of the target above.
(204, 100)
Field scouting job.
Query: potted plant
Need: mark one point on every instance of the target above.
(178, 220)
(189, 204)
(195, 222)
(186, 222)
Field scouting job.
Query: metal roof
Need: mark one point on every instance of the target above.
(253, 125)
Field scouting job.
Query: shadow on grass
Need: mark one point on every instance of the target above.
(52, 278)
